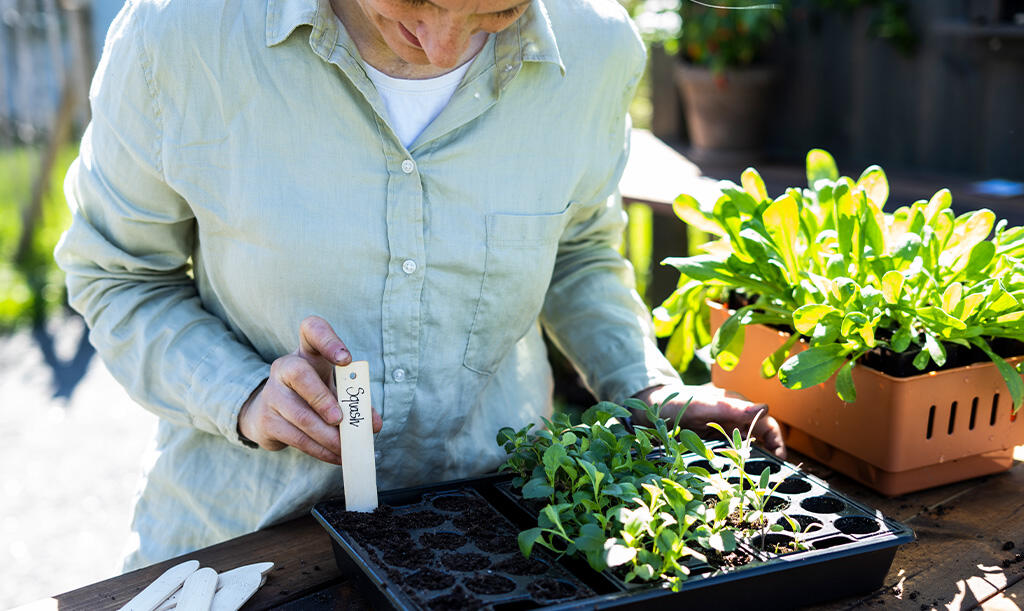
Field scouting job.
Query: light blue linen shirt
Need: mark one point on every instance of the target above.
(240, 174)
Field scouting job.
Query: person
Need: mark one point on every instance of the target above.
(269, 189)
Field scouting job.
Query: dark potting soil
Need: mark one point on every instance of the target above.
(498, 544)
(473, 517)
(429, 579)
(727, 559)
(518, 565)
(551, 589)
(420, 519)
(442, 540)
(490, 584)
(465, 562)
(438, 565)
(485, 531)
(901, 364)
(408, 557)
(387, 539)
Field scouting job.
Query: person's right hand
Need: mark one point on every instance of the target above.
(298, 404)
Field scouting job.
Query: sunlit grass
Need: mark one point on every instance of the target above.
(34, 287)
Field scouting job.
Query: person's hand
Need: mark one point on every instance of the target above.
(711, 404)
(298, 404)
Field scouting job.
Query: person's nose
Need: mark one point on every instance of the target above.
(445, 40)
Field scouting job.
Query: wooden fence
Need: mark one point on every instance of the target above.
(956, 105)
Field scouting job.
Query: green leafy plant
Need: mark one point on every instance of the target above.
(847, 278)
(717, 38)
(742, 32)
(634, 498)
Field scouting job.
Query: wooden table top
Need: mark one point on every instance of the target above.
(969, 552)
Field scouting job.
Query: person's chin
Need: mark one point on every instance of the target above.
(411, 55)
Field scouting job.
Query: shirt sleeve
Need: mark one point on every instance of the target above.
(127, 256)
(592, 310)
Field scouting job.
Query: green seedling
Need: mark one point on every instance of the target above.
(630, 497)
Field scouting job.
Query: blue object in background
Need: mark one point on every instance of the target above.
(103, 13)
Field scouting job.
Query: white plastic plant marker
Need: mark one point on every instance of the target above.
(226, 578)
(197, 592)
(164, 585)
(238, 590)
(359, 467)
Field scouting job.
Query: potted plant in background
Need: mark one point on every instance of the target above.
(723, 73)
(888, 343)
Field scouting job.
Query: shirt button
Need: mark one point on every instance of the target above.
(408, 166)
(377, 455)
(398, 375)
(408, 266)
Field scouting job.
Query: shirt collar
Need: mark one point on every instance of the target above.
(529, 39)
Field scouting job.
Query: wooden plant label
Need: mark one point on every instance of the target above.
(357, 462)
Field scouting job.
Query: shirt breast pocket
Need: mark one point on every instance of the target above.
(521, 251)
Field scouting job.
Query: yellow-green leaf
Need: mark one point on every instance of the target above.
(753, 184)
(805, 318)
(688, 210)
(782, 220)
(942, 200)
(875, 185)
(951, 297)
(892, 286)
(820, 164)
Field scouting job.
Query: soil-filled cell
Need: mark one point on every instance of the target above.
(794, 485)
(804, 523)
(408, 557)
(498, 544)
(776, 503)
(546, 589)
(429, 579)
(774, 543)
(442, 540)
(421, 519)
(857, 525)
(465, 562)
(473, 517)
(490, 584)
(756, 467)
(823, 504)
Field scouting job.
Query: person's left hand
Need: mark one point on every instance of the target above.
(712, 404)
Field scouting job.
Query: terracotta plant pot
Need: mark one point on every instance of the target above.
(902, 434)
(725, 114)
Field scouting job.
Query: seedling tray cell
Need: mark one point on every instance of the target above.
(845, 548)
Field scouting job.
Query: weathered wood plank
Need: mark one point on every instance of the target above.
(963, 555)
(1011, 599)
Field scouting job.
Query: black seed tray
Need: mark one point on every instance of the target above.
(848, 548)
(459, 552)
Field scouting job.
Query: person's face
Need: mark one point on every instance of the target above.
(438, 32)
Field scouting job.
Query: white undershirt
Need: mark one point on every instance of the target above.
(413, 103)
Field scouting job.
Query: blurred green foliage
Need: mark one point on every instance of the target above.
(32, 288)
